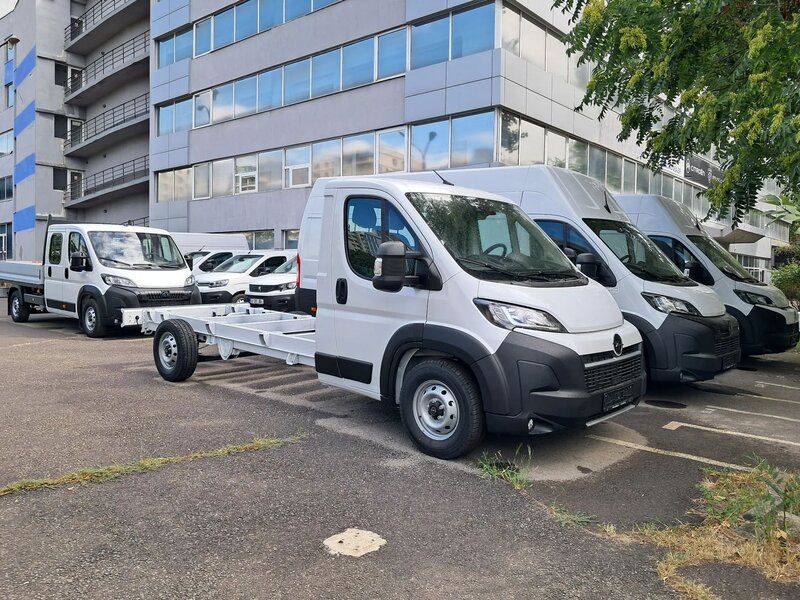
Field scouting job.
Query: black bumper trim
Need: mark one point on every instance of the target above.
(765, 331)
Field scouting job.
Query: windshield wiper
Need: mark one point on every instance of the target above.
(488, 265)
(655, 276)
(114, 260)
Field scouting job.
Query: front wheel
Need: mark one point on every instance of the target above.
(175, 350)
(19, 310)
(238, 299)
(441, 408)
(92, 319)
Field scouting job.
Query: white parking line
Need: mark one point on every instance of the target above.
(673, 425)
(37, 343)
(756, 414)
(788, 387)
(700, 459)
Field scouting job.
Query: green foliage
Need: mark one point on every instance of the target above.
(712, 77)
(787, 280)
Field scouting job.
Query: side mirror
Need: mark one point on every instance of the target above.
(571, 254)
(79, 262)
(694, 270)
(588, 264)
(390, 267)
(189, 262)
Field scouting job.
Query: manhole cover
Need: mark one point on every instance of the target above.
(665, 404)
(354, 542)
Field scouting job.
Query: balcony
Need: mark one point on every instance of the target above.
(101, 22)
(117, 66)
(109, 128)
(112, 183)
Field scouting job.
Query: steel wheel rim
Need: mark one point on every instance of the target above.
(436, 410)
(168, 351)
(15, 306)
(90, 318)
(240, 300)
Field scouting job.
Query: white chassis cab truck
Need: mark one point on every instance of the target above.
(92, 271)
(410, 309)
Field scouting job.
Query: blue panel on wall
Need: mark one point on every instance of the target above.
(8, 73)
(25, 67)
(24, 118)
(24, 169)
(25, 219)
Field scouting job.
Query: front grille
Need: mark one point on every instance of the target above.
(263, 288)
(588, 359)
(611, 374)
(723, 346)
(164, 298)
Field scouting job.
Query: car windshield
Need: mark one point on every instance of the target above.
(494, 240)
(195, 256)
(636, 251)
(289, 267)
(722, 259)
(136, 250)
(238, 264)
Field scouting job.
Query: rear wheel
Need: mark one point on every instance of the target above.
(92, 319)
(238, 299)
(19, 310)
(441, 408)
(175, 350)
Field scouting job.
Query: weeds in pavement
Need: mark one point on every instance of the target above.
(566, 517)
(496, 467)
(91, 475)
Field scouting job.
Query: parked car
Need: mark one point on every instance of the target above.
(276, 290)
(228, 282)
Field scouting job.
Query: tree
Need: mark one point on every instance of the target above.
(716, 77)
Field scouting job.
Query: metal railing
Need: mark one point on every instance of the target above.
(137, 47)
(140, 222)
(108, 178)
(127, 111)
(91, 17)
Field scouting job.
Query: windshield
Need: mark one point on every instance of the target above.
(636, 251)
(289, 267)
(239, 264)
(136, 250)
(722, 259)
(195, 256)
(494, 240)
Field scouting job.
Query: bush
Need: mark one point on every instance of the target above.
(787, 279)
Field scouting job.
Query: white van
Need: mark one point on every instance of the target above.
(687, 334)
(767, 321)
(229, 282)
(276, 290)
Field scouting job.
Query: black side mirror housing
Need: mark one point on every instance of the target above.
(694, 270)
(570, 254)
(588, 264)
(390, 267)
(189, 262)
(79, 263)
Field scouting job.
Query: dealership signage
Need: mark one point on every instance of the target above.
(699, 170)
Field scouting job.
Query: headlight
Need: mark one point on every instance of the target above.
(752, 298)
(287, 286)
(510, 316)
(189, 281)
(218, 283)
(114, 280)
(666, 304)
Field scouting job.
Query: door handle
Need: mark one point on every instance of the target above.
(66, 273)
(341, 291)
(49, 271)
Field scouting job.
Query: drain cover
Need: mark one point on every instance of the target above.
(354, 542)
(665, 404)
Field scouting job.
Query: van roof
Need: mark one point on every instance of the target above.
(88, 227)
(660, 214)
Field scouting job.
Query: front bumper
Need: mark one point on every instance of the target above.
(116, 298)
(216, 297)
(689, 348)
(765, 331)
(282, 302)
(559, 389)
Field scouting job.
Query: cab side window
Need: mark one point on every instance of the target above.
(269, 265)
(76, 244)
(215, 261)
(680, 255)
(369, 223)
(54, 254)
(554, 230)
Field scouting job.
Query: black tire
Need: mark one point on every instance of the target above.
(175, 350)
(238, 299)
(92, 319)
(17, 307)
(450, 390)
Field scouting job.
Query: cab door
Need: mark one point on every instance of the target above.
(365, 319)
(55, 272)
(74, 281)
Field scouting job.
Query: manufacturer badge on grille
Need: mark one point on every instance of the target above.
(617, 345)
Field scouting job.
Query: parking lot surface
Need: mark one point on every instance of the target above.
(252, 525)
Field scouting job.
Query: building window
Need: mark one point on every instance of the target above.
(296, 82)
(10, 95)
(297, 8)
(165, 186)
(202, 181)
(629, 177)
(472, 140)
(222, 103)
(270, 14)
(327, 71)
(326, 159)
(60, 74)
(7, 142)
(222, 177)
(166, 119)
(59, 179)
(246, 19)
(246, 174)
(392, 151)
(430, 43)
(298, 167)
(6, 241)
(290, 238)
(473, 31)
(245, 96)
(202, 109)
(358, 64)
(224, 28)
(7, 187)
(578, 156)
(392, 53)
(202, 37)
(358, 155)
(430, 146)
(556, 150)
(270, 89)
(614, 172)
(11, 51)
(174, 48)
(270, 171)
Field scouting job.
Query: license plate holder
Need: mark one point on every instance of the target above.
(616, 398)
(728, 362)
(256, 301)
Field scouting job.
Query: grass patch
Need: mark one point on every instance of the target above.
(744, 522)
(566, 517)
(92, 475)
(495, 466)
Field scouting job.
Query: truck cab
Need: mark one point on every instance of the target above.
(767, 321)
(687, 334)
(453, 304)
